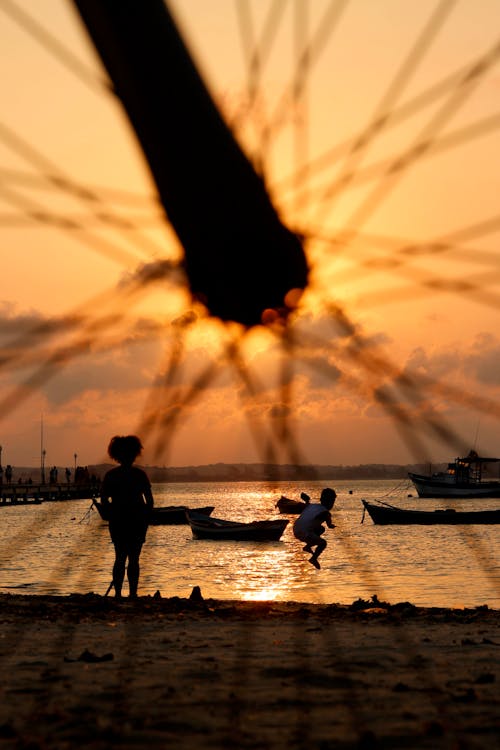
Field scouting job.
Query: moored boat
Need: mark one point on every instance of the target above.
(462, 478)
(173, 515)
(287, 505)
(204, 527)
(385, 514)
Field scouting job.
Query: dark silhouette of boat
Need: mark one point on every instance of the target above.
(287, 505)
(462, 478)
(172, 515)
(175, 514)
(204, 527)
(385, 514)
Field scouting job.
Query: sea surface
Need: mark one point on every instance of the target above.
(64, 547)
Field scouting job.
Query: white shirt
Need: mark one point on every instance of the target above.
(307, 521)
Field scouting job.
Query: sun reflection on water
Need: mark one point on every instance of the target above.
(72, 553)
(264, 575)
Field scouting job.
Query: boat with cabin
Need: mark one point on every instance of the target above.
(464, 477)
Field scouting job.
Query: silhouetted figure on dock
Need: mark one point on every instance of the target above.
(129, 511)
(8, 473)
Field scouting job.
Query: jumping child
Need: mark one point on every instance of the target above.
(309, 525)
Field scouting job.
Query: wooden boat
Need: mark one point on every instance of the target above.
(286, 505)
(462, 478)
(163, 515)
(204, 527)
(384, 514)
(175, 514)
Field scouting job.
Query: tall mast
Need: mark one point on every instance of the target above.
(42, 453)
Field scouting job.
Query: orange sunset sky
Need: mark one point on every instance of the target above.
(401, 234)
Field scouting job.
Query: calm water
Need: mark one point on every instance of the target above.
(62, 548)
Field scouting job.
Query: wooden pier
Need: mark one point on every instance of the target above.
(33, 494)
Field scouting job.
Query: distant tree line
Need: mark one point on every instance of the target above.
(256, 472)
(282, 472)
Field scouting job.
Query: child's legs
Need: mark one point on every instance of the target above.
(310, 538)
(119, 567)
(319, 548)
(133, 568)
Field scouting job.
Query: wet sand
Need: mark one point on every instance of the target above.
(90, 672)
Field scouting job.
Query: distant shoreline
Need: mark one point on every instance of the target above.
(61, 606)
(254, 472)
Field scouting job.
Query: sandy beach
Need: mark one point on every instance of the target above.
(89, 671)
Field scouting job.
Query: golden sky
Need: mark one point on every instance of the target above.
(377, 127)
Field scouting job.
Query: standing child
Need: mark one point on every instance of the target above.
(309, 525)
(126, 496)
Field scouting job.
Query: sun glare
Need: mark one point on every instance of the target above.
(368, 181)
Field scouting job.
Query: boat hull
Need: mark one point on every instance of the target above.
(436, 487)
(218, 528)
(292, 507)
(385, 515)
(175, 515)
(168, 515)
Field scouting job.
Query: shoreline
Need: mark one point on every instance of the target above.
(92, 671)
(197, 603)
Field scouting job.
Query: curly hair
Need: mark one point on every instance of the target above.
(328, 497)
(124, 448)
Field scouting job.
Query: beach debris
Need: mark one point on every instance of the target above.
(485, 679)
(7, 731)
(374, 605)
(367, 741)
(433, 729)
(196, 595)
(469, 696)
(401, 687)
(472, 642)
(90, 657)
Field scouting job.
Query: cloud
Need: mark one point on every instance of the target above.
(332, 378)
(72, 359)
(155, 272)
(21, 330)
(483, 362)
(475, 363)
